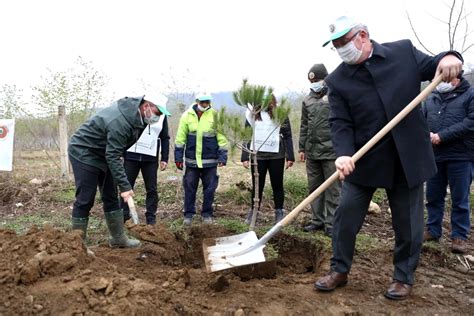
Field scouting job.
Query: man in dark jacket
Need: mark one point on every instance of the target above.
(450, 115)
(373, 84)
(315, 147)
(95, 151)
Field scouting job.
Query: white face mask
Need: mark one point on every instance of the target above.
(445, 87)
(317, 86)
(152, 119)
(203, 109)
(349, 53)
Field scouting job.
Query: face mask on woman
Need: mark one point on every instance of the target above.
(317, 86)
(349, 53)
(445, 87)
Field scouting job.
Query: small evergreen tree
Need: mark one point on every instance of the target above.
(256, 99)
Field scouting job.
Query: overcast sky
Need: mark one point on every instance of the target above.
(213, 44)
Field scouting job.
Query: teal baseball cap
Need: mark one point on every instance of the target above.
(159, 101)
(204, 97)
(340, 27)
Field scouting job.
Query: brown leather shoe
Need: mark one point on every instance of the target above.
(330, 281)
(458, 245)
(398, 291)
(428, 237)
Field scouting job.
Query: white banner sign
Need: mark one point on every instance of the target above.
(267, 134)
(7, 129)
(148, 141)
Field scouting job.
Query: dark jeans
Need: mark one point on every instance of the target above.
(87, 179)
(456, 174)
(149, 171)
(275, 168)
(209, 179)
(406, 205)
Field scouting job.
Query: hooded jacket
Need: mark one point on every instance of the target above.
(102, 140)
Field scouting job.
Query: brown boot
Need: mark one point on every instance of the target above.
(398, 291)
(458, 245)
(330, 281)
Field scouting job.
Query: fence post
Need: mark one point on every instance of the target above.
(63, 142)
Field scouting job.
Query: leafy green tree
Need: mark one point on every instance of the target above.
(256, 99)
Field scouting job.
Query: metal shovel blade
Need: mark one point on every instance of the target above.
(133, 211)
(229, 252)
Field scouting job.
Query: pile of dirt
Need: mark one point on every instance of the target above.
(39, 253)
(50, 272)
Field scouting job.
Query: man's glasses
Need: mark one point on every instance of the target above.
(343, 43)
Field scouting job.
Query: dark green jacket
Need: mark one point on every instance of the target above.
(315, 133)
(102, 140)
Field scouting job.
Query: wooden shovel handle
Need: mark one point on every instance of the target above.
(361, 152)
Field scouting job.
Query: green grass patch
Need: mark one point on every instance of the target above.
(296, 189)
(22, 223)
(434, 247)
(233, 225)
(234, 195)
(366, 243)
(65, 195)
(379, 196)
(317, 238)
(270, 252)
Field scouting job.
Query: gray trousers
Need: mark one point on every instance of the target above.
(406, 205)
(323, 207)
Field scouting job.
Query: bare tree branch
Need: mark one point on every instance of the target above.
(437, 19)
(416, 35)
(465, 35)
(467, 48)
(449, 24)
(457, 22)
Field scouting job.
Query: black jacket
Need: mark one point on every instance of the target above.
(101, 141)
(451, 115)
(285, 149)
(364, 97)
(163, 140)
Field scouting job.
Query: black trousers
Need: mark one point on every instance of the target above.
(149, 171)
(406, 205)
(276, 168)
(88, 179)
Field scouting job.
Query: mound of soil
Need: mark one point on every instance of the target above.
(48, 271)
(39, 253)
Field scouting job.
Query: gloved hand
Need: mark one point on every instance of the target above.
(179, 165)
